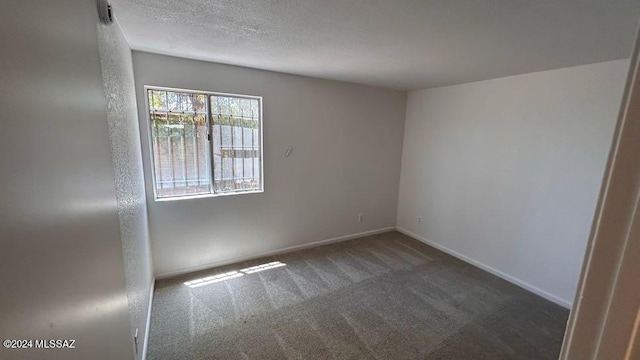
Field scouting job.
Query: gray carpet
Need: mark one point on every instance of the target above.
(380, 297)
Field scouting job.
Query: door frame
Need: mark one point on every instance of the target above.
(606, 313)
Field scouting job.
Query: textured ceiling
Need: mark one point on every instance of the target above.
(399, 44)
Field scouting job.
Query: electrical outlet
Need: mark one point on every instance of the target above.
(419, 219)
(360, 217)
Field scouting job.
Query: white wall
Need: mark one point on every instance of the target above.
(122, 117)
(61, 255)
(347, 143)
(507, 172)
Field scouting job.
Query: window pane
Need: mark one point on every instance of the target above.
(179, 141)
(236, 144)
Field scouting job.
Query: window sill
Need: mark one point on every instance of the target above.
(201, 196)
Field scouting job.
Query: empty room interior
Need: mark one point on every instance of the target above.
(298, 179)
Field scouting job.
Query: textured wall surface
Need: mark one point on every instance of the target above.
(347, 143)
(60, 254)
(507, 172)
(122, 116)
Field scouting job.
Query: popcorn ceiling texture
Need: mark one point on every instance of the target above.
(117, 73)
(400, 44)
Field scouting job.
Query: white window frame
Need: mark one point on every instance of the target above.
(212, 193)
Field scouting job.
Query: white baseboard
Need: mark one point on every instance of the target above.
(489, 269)
(148, 325)
(274, 252)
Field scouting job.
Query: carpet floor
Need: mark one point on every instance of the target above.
(385, 296)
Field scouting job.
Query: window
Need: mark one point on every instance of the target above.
(204, 143)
